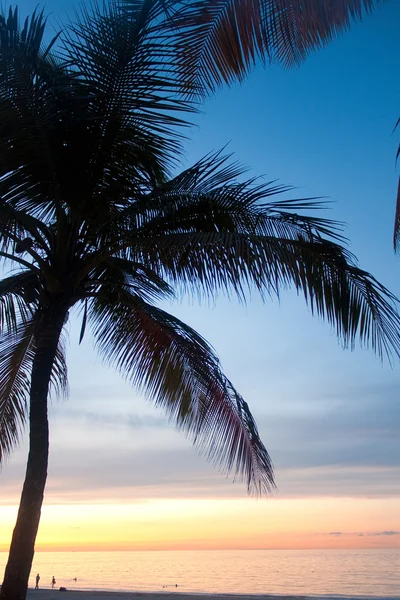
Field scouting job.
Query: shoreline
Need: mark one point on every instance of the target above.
(48, 594)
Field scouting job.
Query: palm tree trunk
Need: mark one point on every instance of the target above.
(15, 584)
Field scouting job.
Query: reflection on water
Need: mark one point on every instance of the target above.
(302, 572)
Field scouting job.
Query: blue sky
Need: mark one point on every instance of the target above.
(330, 418)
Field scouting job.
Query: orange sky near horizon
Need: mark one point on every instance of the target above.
(177, 524)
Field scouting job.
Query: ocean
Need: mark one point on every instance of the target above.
(282, 572)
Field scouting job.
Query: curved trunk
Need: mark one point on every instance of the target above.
(20, 558)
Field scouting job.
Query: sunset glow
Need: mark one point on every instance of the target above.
(213, 524)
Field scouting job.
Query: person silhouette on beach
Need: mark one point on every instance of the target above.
(53, 583)
(37, 581)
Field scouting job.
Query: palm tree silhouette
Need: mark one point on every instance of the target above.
(94, 218)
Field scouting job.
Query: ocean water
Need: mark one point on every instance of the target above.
(283, 572)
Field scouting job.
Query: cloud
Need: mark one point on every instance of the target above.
(122, 419)
(349, 427)
(342, 481)
(369, 534)
(390, 532)
(341, 445)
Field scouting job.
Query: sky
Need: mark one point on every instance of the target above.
(122, 477)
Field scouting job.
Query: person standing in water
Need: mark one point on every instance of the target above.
(37, 581)
(53, 583)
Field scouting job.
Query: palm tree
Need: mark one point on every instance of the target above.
(95, 219)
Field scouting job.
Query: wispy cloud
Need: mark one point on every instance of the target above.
(390, 532)
(101, 440)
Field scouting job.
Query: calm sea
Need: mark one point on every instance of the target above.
(299, 572)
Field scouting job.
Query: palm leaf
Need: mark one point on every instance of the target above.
(31, 81)
(396, 236)
(13, 306)
(208, 197)
(219, 41)
(135, 93)
(24, 241)
(180, 373)
(352, 301)
(59, 374)
(204, 232)
(115, 273)
(17, 352)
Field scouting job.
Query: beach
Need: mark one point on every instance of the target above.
(99, 595)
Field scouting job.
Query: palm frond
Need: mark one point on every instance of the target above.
(115, 273)
(17, 352)
(398, 147)
(59, 375)
(21, 234)
(396, 235)
(135, 93)
(220, 41)
(14, 307)
(207, 197)
(31, 81)
(180, 372)
(139, 279)
(205, 232)
(350, 299)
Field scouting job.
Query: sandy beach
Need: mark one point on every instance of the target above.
(98, 595)
(167, 595)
